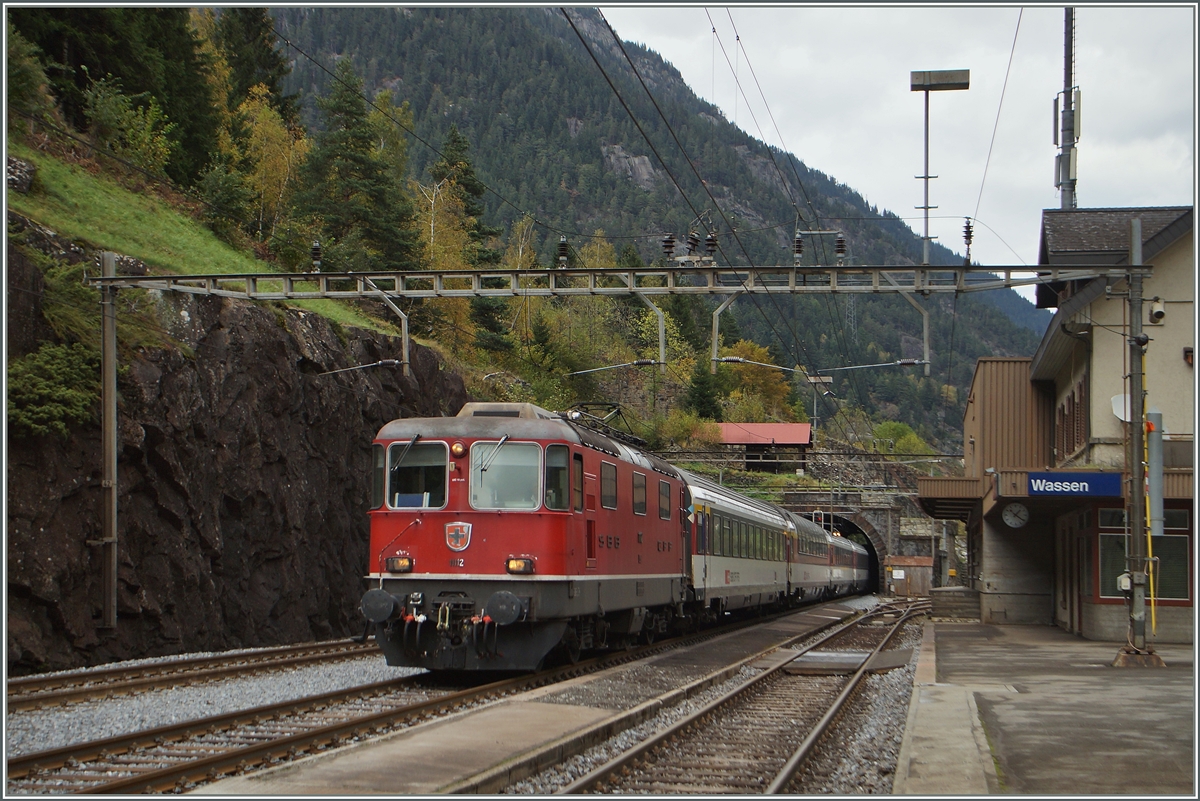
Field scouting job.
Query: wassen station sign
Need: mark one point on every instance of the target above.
(1076, 484)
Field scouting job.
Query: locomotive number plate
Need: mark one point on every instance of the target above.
(458, 563)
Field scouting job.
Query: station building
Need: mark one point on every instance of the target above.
(1045, 481)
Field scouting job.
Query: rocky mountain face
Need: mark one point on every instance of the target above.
(243, 484)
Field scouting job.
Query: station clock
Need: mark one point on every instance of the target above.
(1015, 515)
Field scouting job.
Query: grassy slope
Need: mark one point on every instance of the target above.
(93, 209)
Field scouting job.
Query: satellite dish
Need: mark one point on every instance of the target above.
(1120, 407)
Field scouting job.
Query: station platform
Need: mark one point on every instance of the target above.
(1035, 710)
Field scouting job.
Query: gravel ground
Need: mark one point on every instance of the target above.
(887, 714)
(41, 729)
(868, 769)
(859, 756)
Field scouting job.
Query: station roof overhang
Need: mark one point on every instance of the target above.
(949, 497)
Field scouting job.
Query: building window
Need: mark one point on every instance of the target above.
(1112, 563)
(608, 485)
(1112, 518)
(1169, 571)
(1171, 567)
(1175, 518)
(1071, 422)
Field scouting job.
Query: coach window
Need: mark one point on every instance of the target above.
(417, 474)
(664, 500)
(558, 478)
(577, 480)
(608, 485)
(505, 475)
(639, 493)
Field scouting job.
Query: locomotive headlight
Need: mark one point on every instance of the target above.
(520, 565)
(458, 449)
(399, 564)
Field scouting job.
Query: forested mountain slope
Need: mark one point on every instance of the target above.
(551, 138)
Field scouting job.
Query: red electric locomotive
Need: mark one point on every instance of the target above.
(506, 532)
(509, 532)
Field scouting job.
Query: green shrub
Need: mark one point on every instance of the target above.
(139, 134)
(28, 91)
(52, 388)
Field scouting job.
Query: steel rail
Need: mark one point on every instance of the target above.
(103, 683)
(628, 758)
(788, 771)
(238, 759)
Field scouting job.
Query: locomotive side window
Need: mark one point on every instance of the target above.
(608, 485)
(417, 474)
(558, 478)
(577, 480)
(505, 475)
(378, 475)
(664, 500)
(639, 493)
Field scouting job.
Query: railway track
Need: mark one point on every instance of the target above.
(177, 758)
(754, 738)
(32, 692)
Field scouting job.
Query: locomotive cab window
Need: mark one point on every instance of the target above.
(577, 480)
(664, 500)
(417, 474)
(639, 493)
(558, 478)
(505, 475)
(608, 485)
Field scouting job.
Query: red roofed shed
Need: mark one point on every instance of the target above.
(770, 447)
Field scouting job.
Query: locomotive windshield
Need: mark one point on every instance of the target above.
(417, 474)
(505, 475)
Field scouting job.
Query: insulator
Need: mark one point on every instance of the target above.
(316, 251)
(839, 246)
(693, 242)
(798, 245)
(710, 244)
(968, 234)
(668, 245)
(562, 248)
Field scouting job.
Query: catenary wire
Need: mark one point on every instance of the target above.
(683, 151)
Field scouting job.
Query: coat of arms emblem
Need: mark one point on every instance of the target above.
(458, 536)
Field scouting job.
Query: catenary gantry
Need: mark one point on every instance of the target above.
(683, 279)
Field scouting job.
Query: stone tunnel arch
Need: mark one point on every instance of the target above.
(877, 525)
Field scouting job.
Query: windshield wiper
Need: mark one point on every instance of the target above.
(407, 448)
(492, 456)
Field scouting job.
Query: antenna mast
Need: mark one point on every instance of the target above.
(1066, 167)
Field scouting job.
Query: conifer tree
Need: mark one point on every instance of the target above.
(702, 393)
(365, 219)
(247, 40)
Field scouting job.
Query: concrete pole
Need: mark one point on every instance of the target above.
(662, 333)
(1137, 487)
(716, 330)
(108, 413)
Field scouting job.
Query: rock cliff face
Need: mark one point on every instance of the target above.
(243, 487)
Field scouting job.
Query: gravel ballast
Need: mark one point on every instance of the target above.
(32, 730)
(858, 757)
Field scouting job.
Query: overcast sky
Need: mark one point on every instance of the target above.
(836, 81)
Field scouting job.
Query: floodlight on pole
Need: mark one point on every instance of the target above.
(934, 81)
